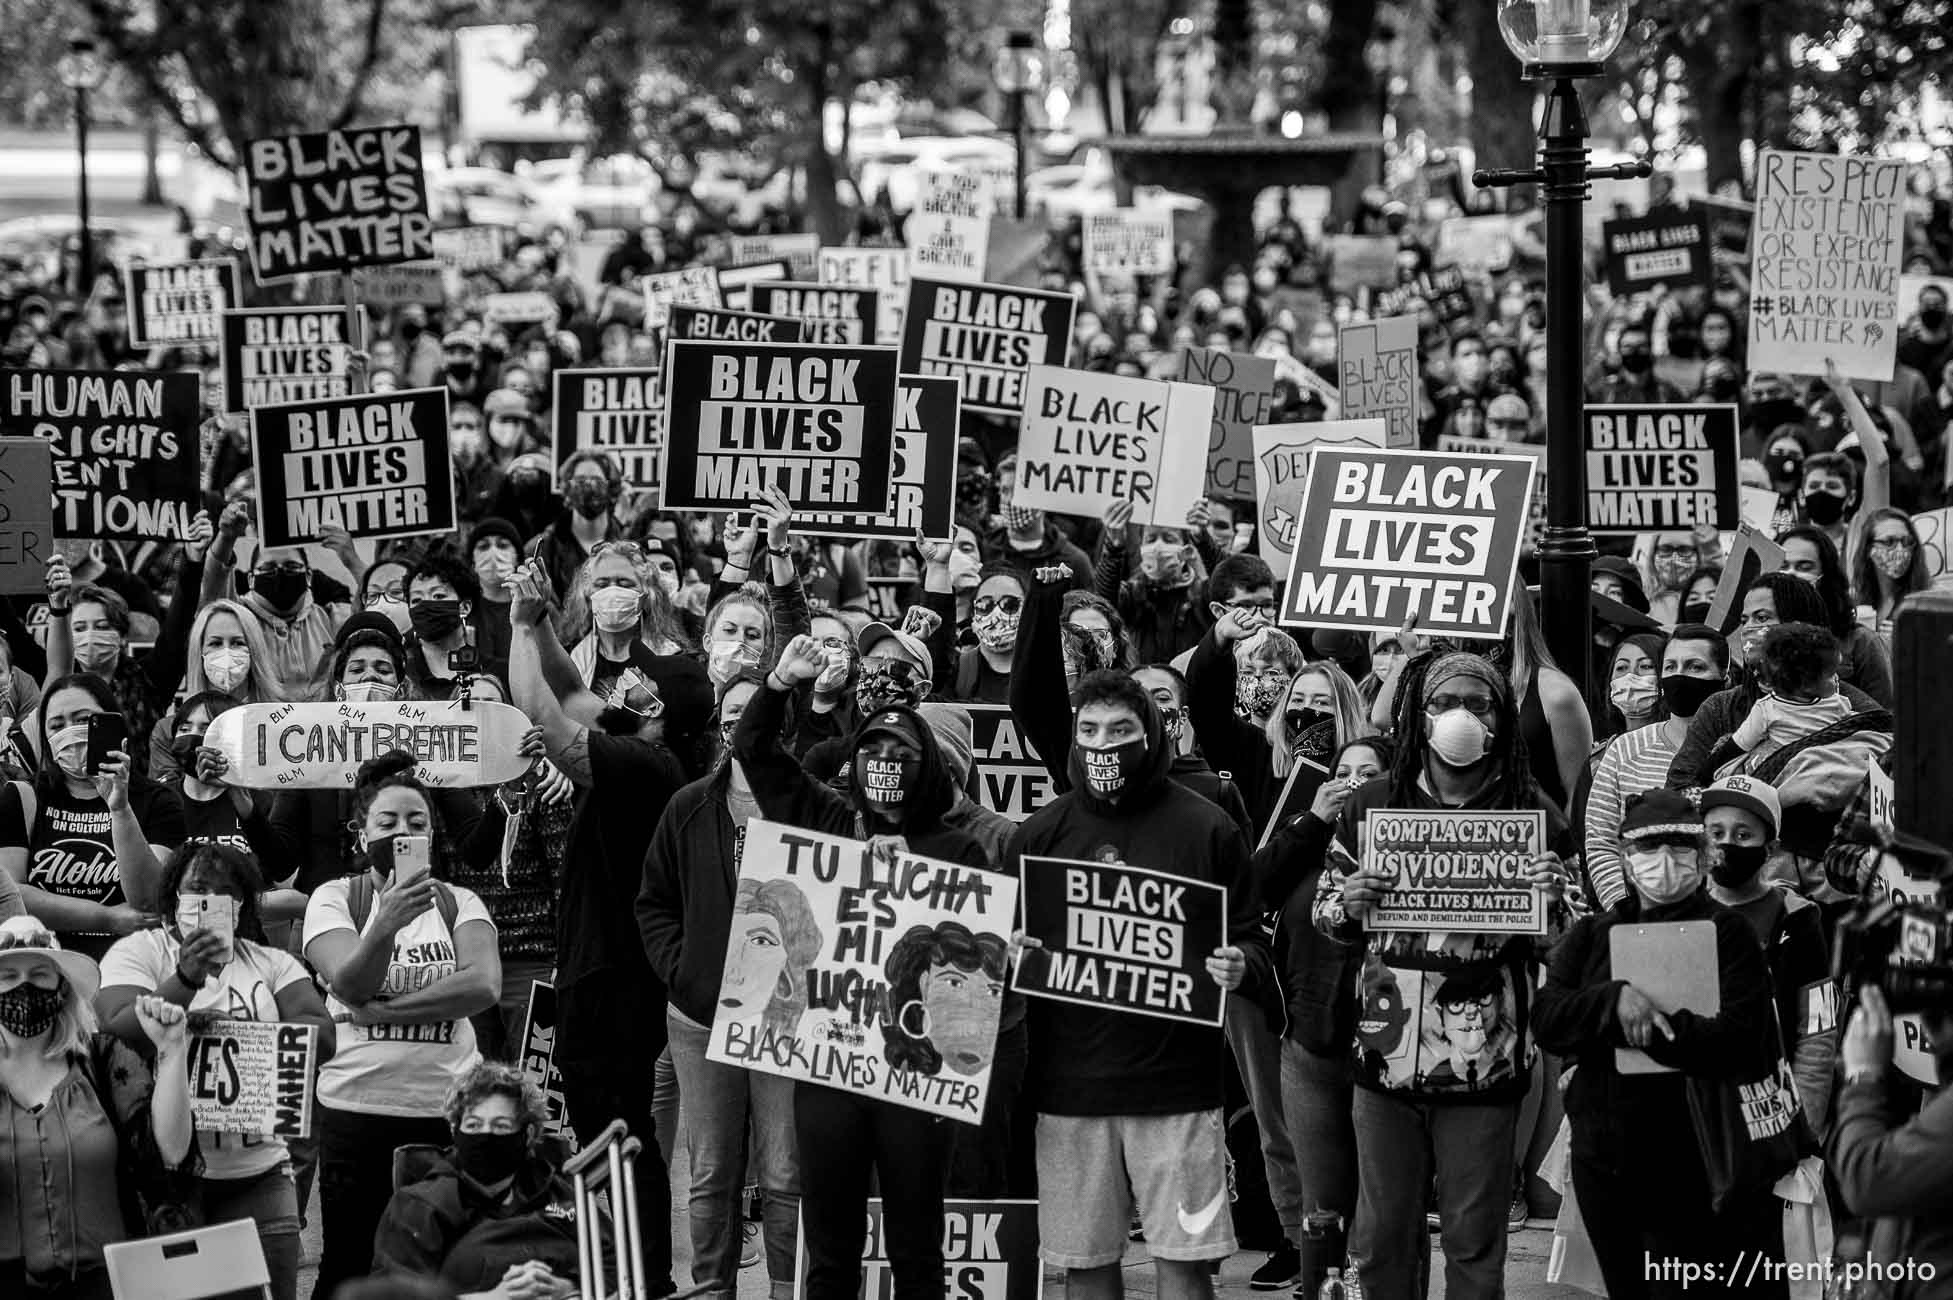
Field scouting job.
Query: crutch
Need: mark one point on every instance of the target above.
(610, 1161)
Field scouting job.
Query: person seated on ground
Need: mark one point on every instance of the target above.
(490, 1215)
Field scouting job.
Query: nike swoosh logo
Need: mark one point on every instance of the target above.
(1202, 1219)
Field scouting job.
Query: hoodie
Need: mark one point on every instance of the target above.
(684, 905)
(1093, 1061)
(1054, 549)
(443, 1225)
(299, 641)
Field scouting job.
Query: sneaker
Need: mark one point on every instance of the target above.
(1283, 1269)
(750, 1250)
(1431, 1220)
(1515, 1215)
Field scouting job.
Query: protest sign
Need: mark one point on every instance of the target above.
(719, 325)
(272, 356)
(124, 444)
(376, 466)
(320, 746)
(26, 515)
(988, 335)
(386, 287)
(885, 270)
(1669, 247)
(990, 1252)
(1281, 469)
(1751, 552)
(1376, 373)
(1089, 440)
(1456, 871)
(1532, 451)
(1824, 270)
(1123, 938)
(465, 249)
(1442, 287)
(253, 1077)
(1912, 1047)
(828, 969)
(1661, 469)
(922, 476)
(827, 314)
(1730, 221)
(334, 200)
(1880, 798)
(885, 598)
(618, 412)
(530, 307)
(1129, 240)
(949, 231)
(1935, 529)
(801, 253)
(1361, 262)
(816, 422)
(1759, 506)
(1388, 534)
(736, 282)
(1479, 245)
(538, 1060)
(178, 302)
(1011, 778)
(1244, 391)
(696, 285)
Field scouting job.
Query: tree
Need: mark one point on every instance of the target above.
(1117, 43)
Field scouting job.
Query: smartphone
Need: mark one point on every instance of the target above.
(216, 913)
(107, 733)
(413, 857)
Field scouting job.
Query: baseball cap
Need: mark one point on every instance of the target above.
(912, 647)
(1758, 798)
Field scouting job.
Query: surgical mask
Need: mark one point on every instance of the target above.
(490, 1158)
(887, 782)
(964, 571)
(1892, 561)
(1739, 864)
(435, 620)
(1824, 508)
(1458, 738)
(1634, 694)
(1163, 563)
(996, 631)
(28, 1010)
(1258, 696)
(97, 650)
(369, 692)
(1686, 695)
(493, 568)
(282, 588)
(1108, 772)
(589, 497)
(70, 748)
(727, 659)
(466, 446)
(1663, 874)
(616, 609)
(227, 668)
(667, 582)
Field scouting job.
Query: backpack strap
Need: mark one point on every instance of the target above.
(359, 902)
(30, 805)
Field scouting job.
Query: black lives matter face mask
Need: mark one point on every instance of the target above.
(888, 782)
(1109, 772)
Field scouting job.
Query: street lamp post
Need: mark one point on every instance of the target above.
(1562, 42)
(81, 71)
(1017, 72)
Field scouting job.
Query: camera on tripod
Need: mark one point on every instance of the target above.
(1903, 942)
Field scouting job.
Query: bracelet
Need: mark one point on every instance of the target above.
(784, 551)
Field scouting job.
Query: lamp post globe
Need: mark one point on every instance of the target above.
(1558, 33)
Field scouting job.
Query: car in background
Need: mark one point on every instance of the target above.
(1085, 184)
(482, 196)
(36, 244)
(901, 166)
(579, 194)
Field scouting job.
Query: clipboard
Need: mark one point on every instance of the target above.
(1674, 963)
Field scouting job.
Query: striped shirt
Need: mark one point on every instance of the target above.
(1635, 763)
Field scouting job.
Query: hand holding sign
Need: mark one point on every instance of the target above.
(1548, 875)
(1228, 966)
(774, 510)
(1362, 891)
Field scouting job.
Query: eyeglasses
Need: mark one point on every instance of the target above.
(899, 671)
(1670, 551)
(840, 643)
(1008, 604)
(1253, 606)
(393, 591)
(1479, 706)
(629, 550)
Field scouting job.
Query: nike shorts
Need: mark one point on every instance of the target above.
(1093, 1169)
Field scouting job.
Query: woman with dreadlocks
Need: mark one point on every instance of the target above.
(1442, 1053)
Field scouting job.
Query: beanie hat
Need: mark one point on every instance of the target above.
(955, 734)
(1659, 812)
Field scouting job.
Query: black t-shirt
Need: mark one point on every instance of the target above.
(71, 844)
(216, 821)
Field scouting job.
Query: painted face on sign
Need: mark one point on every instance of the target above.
(1380, 1025)
(757, 958)
(962, 1007)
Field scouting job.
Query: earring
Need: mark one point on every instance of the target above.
(902, 1020)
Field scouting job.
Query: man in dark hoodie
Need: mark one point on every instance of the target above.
(842, 1135)
(1129, 1107)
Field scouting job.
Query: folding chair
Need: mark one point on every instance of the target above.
(223, 1261)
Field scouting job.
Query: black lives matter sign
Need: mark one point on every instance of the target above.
(987, 336)
(179, 302)
(274, 356)
(815, 422)
(1011, 779)
(334, 200)
(718, 325)
(1123, 938)
(619, 412)
(125, 447)
(826, 314)
(376, 466)
(1662, 468)
(922, 470)
(1666, 247)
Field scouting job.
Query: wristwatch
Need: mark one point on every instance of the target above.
(786, 552)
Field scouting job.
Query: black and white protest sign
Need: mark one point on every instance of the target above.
(827, 314)
(513, 310)
(178, 302)
(1130, 241)
(736, 282)
(1011, 778)
(1669, 246)
(949, 231)
(990, 1252)
(334, 200)
(1377, 374)
(1535, 454)
(720, 326)
(1730, 222)
(464, 249)
(1359, 262)
(253, 1077)
(922, 476)
(376, 466)
(1123, 938)
(320, 746)
(1387, 534)
(816, 422)
(1824, 269)
(1282, 469)
(1479, 245)
(885, 270)
(618, 412)
(1461, 872)
(694, 285)
(538, 1060)
(799, 252)
(1662, 469)
(26, 515)
(273, 356)
(987, 335)
(385, 287)
(1090, 439)
(125, 447)
(1244, 390)
(836, 970)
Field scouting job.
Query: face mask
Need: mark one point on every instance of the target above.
(70, 746)
(1173, 723)
(1685, 695)
(28, 1010)
(281, 589)
(493, 569)
(727, 659)
(1107, 772)
(465, 446)
(183, 750)
(462, 371)
(1695, 611)
(1163, 563)
(1663, 875)
(1673, 573)
(667, 582)
(435, 620)
(97, 651)
(226, 668)
(1021, 519)
(1637, 363)
(1634, 694)
(369, 692)
(379, 852)
(964, 572)
(888, 782)
(1504, 374)
(589, 497)
(1933, 318)
(490, 1157)
(1785, 467)
(1739, 864)
(1824, 508)
(616, 609)
(530, 490)
(835, 675)
(1457, 738)
(1893, 562)
(996, 631)
(1299, 720)
(1258, 696)
(887, 683)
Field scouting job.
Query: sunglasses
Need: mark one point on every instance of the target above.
(898, 671)
(1008, 604)
(1479, 706)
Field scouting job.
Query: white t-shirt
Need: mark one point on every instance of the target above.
(401, 1070)
(246, 989)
